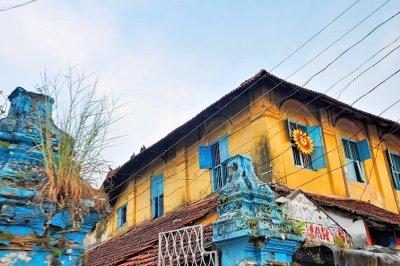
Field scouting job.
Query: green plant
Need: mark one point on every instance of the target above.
(298, 228)
(339, 242)
(5, 144)
(101, 228)
(223, 199)
(56, 252)
(73, 161)
(252, 222)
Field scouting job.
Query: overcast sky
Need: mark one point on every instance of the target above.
(168, 60)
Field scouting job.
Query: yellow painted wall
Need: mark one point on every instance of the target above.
(260, 131)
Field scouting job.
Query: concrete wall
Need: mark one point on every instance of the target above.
(356, 229)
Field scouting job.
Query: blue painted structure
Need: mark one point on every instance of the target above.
(28, 234)
(250, 225)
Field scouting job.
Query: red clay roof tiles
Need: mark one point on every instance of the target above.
(139, 246)
(356, 207)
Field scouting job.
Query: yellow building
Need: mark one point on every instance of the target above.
(355, 154)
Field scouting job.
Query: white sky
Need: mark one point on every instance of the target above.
(168, 60)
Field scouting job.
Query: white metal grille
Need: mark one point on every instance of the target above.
(184, 247)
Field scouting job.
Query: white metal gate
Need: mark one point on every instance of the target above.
(184, 247)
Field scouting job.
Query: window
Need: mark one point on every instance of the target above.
(394, 160)
(314, 161)
(384, 238)
(121, 213)
(157, 196)
(214, 157)
(356, 152)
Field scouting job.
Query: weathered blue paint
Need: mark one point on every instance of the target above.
(4, 242)
(247, 213)
(23, 224)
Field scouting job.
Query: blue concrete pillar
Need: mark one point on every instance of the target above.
(27, 235)
(250, 225)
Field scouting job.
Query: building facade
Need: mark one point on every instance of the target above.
(266, 131)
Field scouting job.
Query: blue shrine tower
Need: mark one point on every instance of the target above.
(32, 234)
(251, 229)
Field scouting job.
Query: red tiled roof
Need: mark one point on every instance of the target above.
(356, 207)
(359, 207)
(139, 246)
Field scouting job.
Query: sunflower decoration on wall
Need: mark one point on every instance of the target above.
(303, 141)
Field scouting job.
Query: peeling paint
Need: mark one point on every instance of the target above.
(27, 235)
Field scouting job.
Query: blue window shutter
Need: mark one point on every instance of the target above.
(154, 193)
(160, 205)
(157, 189)
(153, 208)
(224, 148)
(318, 160)
(154, 186)
(205, 157)
(160, 184)
(119, 217)
(364, 152)
(393, 168)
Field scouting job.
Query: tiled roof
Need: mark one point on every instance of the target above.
(356, 207)
(139, 246)
(359, 207)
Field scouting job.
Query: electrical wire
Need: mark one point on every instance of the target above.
(376, 156)
(351, 47)
(315, 35)
(366, 70)
(16, 6)
(361, 65)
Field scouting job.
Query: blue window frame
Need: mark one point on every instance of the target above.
(214, 157)
(394, 160)
(157, 196)
(317, 159)
(355, 153)
(121, 215)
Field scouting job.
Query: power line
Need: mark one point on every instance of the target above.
(315, 35)
(16, 6)
(351, 47)
(368, 92)
(344, 35)
(364, 71)
(362, 64)
(375, 157)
